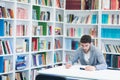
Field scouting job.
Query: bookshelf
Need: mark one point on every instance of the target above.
(81, 17)
(31, 37)
(59, 32)
(42, 36)
(7, 39)
(101, 22)
(110, 27)
(47, 34)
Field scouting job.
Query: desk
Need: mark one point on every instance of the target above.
(75, 72)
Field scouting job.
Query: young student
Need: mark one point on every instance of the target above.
(88, 55)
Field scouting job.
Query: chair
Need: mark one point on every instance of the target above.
(49, 77)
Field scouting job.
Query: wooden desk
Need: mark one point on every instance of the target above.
(75, 72)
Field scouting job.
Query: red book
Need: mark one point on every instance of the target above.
(58, 43)
(1, 51)
(7, 47)
(72, 31)
(118, 61)
(18, 31)
(34, 44)
(114, 4)
(58, 3)
(73, 4)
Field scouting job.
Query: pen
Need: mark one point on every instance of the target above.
(82, 68)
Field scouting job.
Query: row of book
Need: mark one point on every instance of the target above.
(6, 47)
(58, 56)
(44, 15)
(21, 76)
(43, 58)
(59, 17)
(60, 3)
(95, 42)
(58, 43)
(45, 30)
(5, 77)
(108, 33)
(69, 56)
(5, 28)
(22, 30)
(82, 4)
(22, 45)
(92, 4)
(45, 44)
(36, 12)
(42, 28)
(113, 48)
(110, 4)
(25, 1)
(41, 44)
(22, 13)
(77, 32)
(87, 19)
(113, 61)
(6, 12)
(39, 59)
(74, 32)
(71, 44)
(43, 2)
(5, 65)
(21, 62)
(110, 18)
(58, 31)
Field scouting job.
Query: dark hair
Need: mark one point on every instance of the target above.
(85, 39)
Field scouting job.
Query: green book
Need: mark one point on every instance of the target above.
(37, 13)
(44, 27)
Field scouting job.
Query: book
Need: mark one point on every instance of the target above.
(73, 4)
(21, 62)
(37, 12)
(0, 11)
(1, 64)
(1, 49)
(34, 44)
(58, 31)
(44, 27)
(1, 27)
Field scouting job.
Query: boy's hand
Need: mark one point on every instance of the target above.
(67, 66)
(90, 68)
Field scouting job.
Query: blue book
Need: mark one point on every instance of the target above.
(94, 19)
(55, 59)
(11, 45)
(1, 64)
(27, 45)
(1, 27)
(76, 45)
(0, 77)
(68, 44)
(106, 18)
(40, 59)
(103, 20)
(34, 60)
(108, 60)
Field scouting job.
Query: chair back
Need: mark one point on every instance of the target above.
(49, 77)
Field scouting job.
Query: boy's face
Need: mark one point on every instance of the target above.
(85, 46)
